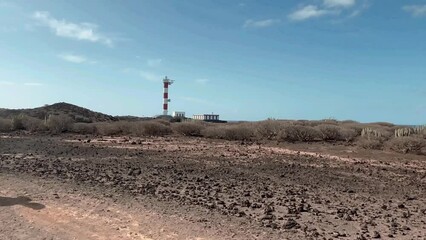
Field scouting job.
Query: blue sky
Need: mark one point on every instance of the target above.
(245, 60)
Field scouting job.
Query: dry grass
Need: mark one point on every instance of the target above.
(329, 132)
(295, 133)
(5, 125)
(228, 132)
(84, 128)
(366, 136)
(416, 145)
(370, 144)
(59, 123)
(135, 128)
(34, 124)
(268, 129)
(188, 128)
(151, 128)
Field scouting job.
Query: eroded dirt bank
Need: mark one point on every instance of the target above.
(268, 192)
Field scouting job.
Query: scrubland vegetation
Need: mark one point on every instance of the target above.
(378, 136)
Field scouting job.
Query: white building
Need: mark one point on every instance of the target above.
(179, 114)
(206, 117)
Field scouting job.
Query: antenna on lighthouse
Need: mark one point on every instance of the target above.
(166, 82)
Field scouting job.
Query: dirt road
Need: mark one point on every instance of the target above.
(188, 188)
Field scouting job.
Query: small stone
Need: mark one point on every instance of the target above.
(290, 224)
(267, 217)
(347, 217)
(376, 234)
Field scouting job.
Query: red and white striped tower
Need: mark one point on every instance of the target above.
(166, 99)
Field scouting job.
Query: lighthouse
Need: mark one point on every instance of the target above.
(166, 83)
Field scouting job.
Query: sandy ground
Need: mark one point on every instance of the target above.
(77, 187)
(33, 208)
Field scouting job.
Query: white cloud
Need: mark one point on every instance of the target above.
(416, 10)
(6, 83)
(154, 62)
(150, 76)
(310, 11)
(74, 58)
(78, 31)
(339, 3)
(359, 10)
(33, 84)
(202, 81)
(260, 23)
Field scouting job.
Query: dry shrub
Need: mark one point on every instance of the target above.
(370, 144)
(114, 128)
(268, 129)
(233, 132)
(161, 121)
(188, 129)
(59, 123)
(216, 132)
(33, 124)
(139, 128)
(238, 132)
(5, 125)
(84, 128)
(407, 145)
(107, 129)
(357, 127)
(294, 133)
(151, 128)
(348, 134)
(18, 123)
(329, 132)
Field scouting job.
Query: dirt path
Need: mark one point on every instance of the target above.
(31, 208)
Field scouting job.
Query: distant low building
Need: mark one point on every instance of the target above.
(206, 117)
(179, 114)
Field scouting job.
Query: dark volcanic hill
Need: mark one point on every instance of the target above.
(79, 114)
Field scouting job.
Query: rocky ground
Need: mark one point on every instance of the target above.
(220, 189)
